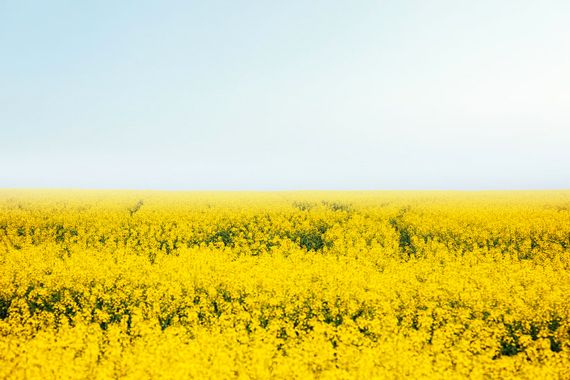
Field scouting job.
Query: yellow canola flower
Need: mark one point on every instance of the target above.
(284, 285)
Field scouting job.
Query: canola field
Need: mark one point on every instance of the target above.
(284, 285)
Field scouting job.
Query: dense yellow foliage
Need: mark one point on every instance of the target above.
(284, 285)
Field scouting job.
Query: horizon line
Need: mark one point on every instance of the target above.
(258, 190)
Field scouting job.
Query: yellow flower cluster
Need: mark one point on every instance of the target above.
(284, 285)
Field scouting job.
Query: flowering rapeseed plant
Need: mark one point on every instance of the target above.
(284, 285)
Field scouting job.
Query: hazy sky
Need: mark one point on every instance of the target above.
(285, 94)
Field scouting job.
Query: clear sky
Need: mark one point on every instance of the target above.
(285, 94)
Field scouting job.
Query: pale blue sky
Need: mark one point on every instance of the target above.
(285, 95)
